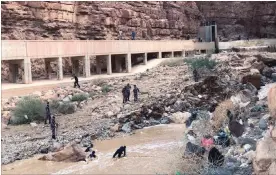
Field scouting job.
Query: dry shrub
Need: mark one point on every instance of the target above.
(272, 102)
(220, 114)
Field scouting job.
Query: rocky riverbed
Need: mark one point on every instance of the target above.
(168, 94)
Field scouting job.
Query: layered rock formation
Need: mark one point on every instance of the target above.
(150, 20)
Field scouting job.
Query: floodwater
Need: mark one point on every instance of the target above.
(152, 150)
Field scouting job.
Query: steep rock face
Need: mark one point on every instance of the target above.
(150, 20)
(253, 19)
(98, 20)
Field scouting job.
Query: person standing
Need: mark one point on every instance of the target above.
(124, 93)
(76, 83)
(135, 92)
(195, 75)
(128, 87)
(53, 127)
(48, 114)
(133, 34)
(120, 35)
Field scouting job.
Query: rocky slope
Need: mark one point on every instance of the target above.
(150, 20)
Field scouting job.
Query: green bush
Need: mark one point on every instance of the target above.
(80, 97)
(106, 88)
(30, 106)
(197, 63)
(54, 105)
(66, 108)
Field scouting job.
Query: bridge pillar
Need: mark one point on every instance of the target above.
(86, 66)
(118, 64)
(183, 54)
(145, 61)
(60, 69)
(109, 64)
(75, 66)
(98, 66)
(48, 68)
(27, 76)
(172, 55)
(13, 73)
(128, 62)
(159, 54)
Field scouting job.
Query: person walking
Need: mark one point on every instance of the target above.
(76, 83)
(135, 92)
(124, 93)
(48, 113)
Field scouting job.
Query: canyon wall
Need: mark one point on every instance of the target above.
(150, 20)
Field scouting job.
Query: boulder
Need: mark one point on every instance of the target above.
(180, 117)
(70, 153)
(127, 127)
(33, 124)
(254, 79)
(267, 71)
(265, 156)
(262, 124)
(115, 128)
(273, 77)
(179, 105)
(272, 102)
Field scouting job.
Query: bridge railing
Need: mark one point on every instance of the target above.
(13, 49)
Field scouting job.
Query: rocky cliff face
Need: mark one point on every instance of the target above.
(150, 20)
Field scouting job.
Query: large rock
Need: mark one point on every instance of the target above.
(127, 127)
(70, 153)
(180, 117)
(265, 156)
(254, 79)
(272, 102)
(267, 71)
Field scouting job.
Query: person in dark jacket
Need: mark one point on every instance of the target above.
(48, 113)
(76, 83)
(135, 92)
(53, 127)
(133, 34)
(124, 93)
(195, 75)
(128, 87)
(120, 151)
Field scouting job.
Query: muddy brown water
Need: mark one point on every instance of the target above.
(149, 151)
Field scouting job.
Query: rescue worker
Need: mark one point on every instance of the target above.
(120, 151)
(135, 92)
(195, 74)
(124, 92)
(128, 87)
(133, 34)
(48, 114)
(92, 155)
(53, 127)
(76, 83)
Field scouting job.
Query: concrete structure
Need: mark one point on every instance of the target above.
(21, 52)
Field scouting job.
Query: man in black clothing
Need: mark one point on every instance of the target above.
(135, 92)
(195, 74)
(53, 127)
(48, 113)
(124, 92)
(76, 83)
(128, 87)
(120, 151)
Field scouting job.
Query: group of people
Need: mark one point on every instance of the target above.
(126, 93)
(119, 152)
(52, 121)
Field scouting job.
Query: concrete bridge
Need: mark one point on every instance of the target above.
(22, 52)
(117, 54)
